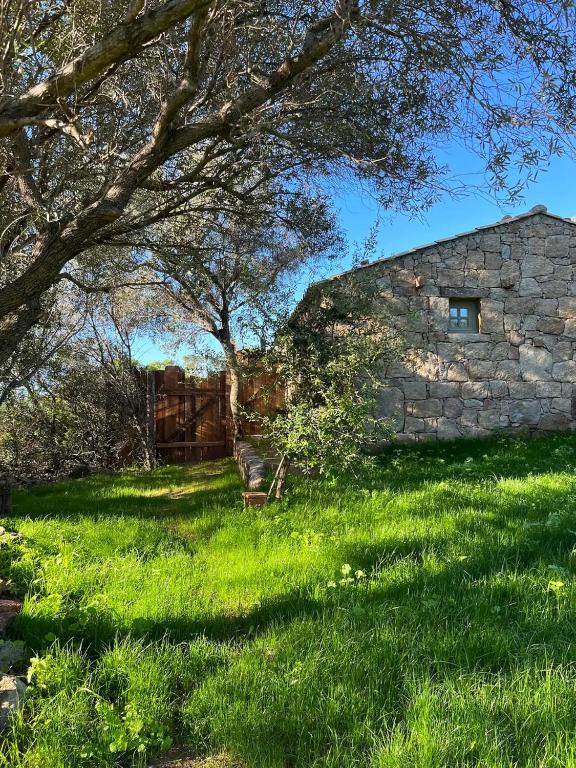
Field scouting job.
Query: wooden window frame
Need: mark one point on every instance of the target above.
(472, 308)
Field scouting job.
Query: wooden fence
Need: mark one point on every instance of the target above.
(191, 417)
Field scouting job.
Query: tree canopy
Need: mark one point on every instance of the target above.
(117, 114)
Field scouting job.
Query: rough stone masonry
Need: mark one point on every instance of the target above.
(513, 369)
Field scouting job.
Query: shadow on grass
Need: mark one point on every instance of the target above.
(167, 491)
(465, 583)
(405, 467)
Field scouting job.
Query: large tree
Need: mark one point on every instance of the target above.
(233, 277)
(118, 113)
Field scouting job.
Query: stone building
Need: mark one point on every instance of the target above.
(489, 317)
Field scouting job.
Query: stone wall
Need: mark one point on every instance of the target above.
(519, 372)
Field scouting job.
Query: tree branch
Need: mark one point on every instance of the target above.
(124, 41)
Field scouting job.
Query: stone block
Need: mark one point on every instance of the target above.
(391, 406)
(453, 407)
(546, 307)
(521, 390)
(554, 422)
(478, 390)
(508, 370)
(534, 266)
(457, 372)
(493, 261)
(554, 288)
(553, 325)
(405, 439)
(481, 369)
(399, 371)
(447, 429)
(489, 278)
(480, 350)
(529, 286)
(498, 388)
(516, 338)
(509, 274)
(402, 278)
(567, 306)
(492, 316)
(475, 260)
(512, 322)
(501, 351)
(490, 243)
(557, 246)
(451, 351)
(548, 389)
(444, 389)
(414, 389)
(427, 408)
(412, 425)
(469, 418)
(564, 272)
(519, 305)
(535, 363)
(451, 277)
(12, 693)
(561, 405)
(439, 312)
(570, 328)
(489, 419)
(525, 412)
(562, 351)
(565, 371)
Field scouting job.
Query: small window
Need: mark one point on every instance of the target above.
(464, 314)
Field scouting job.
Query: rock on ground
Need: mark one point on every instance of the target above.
(12, 691)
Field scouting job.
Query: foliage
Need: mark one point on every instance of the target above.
(408, 620)
(226, 98)
(328, 357)
(230, 279)
(19, 563)
(83, 409)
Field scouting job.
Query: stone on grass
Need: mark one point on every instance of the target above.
(12, 691)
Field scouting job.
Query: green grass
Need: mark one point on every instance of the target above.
(424, 616)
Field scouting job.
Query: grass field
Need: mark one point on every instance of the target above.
(424, 616)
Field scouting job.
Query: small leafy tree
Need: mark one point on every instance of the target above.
(328, 357)
(233, 277)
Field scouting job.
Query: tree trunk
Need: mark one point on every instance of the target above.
(234, 376)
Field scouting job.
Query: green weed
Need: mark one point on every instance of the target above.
(423, 616)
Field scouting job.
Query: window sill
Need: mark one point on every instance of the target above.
(466, 336)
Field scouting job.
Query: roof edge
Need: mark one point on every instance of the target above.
(537, 210)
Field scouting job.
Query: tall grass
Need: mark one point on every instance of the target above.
(420, 616)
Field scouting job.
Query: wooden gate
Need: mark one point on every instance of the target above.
(192, 419)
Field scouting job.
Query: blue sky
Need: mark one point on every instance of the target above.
(357, 213)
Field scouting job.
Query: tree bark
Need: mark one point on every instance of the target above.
(234, 375)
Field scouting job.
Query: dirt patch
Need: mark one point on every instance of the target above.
(180, 757)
